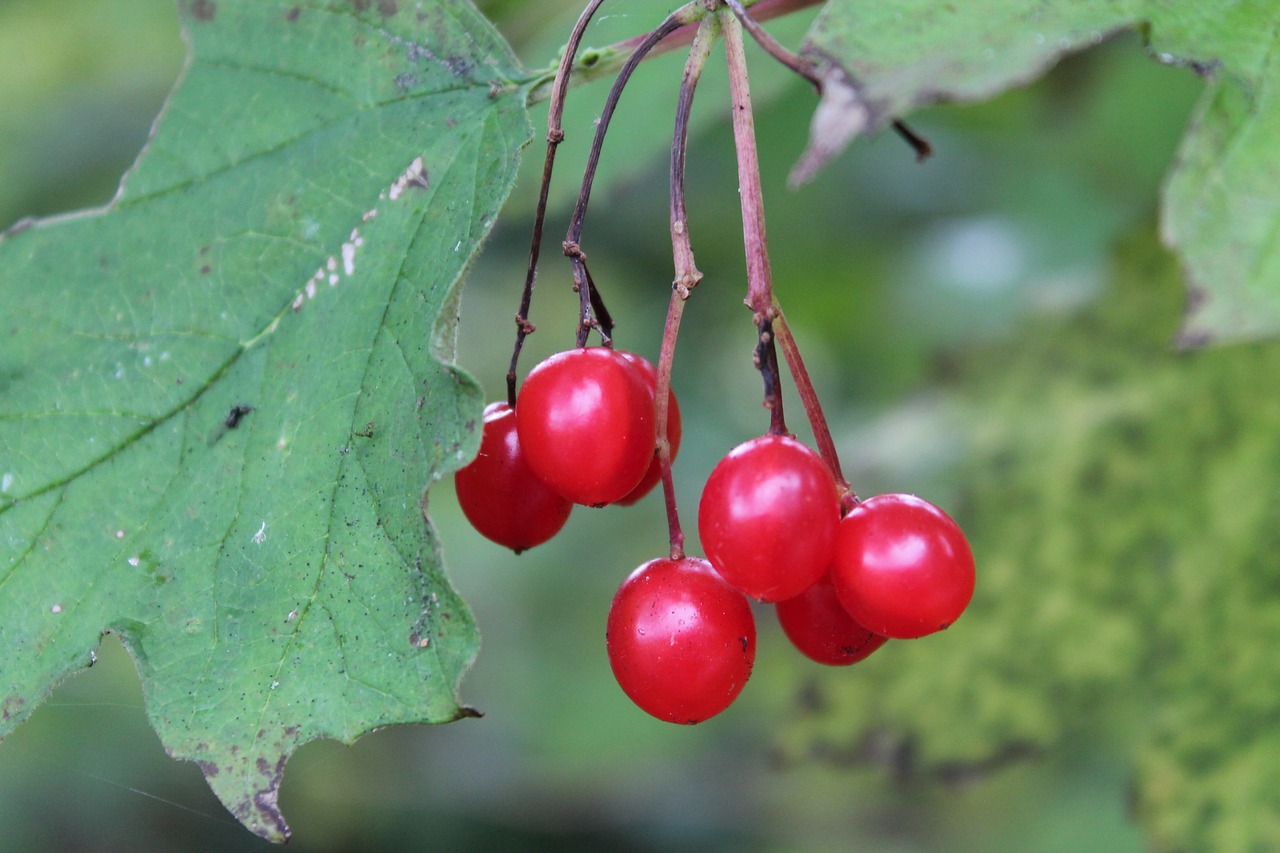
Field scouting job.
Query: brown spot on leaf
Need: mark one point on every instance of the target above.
(204, 10)
(361, 5)
(208, 768)
(266, 800)
(292, 14)
(12, 705)
(387, 8)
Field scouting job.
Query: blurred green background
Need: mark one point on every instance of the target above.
(897, 278)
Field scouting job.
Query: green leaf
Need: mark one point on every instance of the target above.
(1221, 213)
(1121, 503)
(222, 398)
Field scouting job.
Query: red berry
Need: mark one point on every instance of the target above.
(681, 641)
(818, 625)
(768, 517)
(902, 567)
(498, 493)
(654, 473)
(586, 424)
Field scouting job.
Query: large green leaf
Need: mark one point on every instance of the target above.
(222, 398)
(1221, 210)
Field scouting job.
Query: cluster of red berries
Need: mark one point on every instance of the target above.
(583, 433)
(844, 575)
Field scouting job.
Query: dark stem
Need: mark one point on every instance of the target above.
(766, 359)
(604, 320)
(555, 134)
(592, 313)
(574, 235)
(572, 244)
(921, 145)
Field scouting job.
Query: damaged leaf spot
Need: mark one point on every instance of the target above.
(236, 414)
(413, 176)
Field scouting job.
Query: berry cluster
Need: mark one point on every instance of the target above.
(584, 433)
(778, 522)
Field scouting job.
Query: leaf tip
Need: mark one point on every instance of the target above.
(841, 115)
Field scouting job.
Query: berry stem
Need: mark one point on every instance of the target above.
(809, 399)
(759, 276)
(766, 360)
(555, 134)
(687, 274)
(661, 404)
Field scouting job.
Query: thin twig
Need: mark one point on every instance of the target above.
(555, 134)
(572, 241)
(687, 275)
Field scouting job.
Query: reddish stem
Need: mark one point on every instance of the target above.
(661, 403)
(755, 241)
(687, 275)
(809, 399)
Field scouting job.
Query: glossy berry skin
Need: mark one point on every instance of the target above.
(681, 641)
(817, 624)
(768, 517)
(902, 567)
(585, 420)
(500, 495)
(654, 472)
